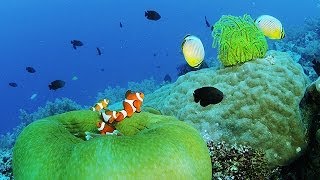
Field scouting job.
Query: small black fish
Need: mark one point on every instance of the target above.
(316, 66)
(30, 69)
(121, 25)
(54, 85)
(207, 95)
(99, 51)
(167, 78)
(102, 69)
(152, 15)
(76, 43)
(207, 23)
(13, 84)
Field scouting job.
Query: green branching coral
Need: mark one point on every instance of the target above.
(239, 40)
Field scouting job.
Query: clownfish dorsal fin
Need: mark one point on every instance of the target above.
(127, 93)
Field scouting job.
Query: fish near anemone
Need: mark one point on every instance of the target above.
(131, 104)
(100, 105)
(207, 95)
(270, 26)
(193, 50)
(109, 116)
(104, 127)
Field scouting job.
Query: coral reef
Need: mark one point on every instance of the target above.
(6, 164)
(150, 146)
(237, 162)
(238, 39)
(307, 166)
(116, 94)
(60, 105)
(260, 106)
(7, 140)
(305, 42)
(183, 69)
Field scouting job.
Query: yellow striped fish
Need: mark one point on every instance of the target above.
(102, 104)
(270, 26)
(193, 50)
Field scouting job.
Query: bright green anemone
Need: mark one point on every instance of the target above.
(151, 147)
(239, 40)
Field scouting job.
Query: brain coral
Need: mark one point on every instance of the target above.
(239, 40)
(260, 106)
(150, 147)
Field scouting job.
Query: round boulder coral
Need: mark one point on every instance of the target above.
(260, 107)
(150, 146)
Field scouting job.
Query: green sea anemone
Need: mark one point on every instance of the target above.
(239, 40)
(150, 147)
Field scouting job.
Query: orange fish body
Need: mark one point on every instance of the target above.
(105, 127)
(131, 104)
(109, 116)
(102, 104)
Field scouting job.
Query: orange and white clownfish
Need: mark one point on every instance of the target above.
(109, 116)
(102, 104)
(131, 104)
(104, 127)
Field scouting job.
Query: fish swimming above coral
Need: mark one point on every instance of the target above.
(13, 84)
(30, 69)
(152, 15)
(99, 51)
(207, 23)
(167, 78)
(270, 26)
(193, 50)
(57, 84)
(76, 43)
(207, 95)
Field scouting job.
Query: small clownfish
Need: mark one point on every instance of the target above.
(104, 127)
(109, 116)
(102, 104)
(131, 104)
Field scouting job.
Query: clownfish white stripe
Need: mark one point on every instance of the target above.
(114, 114)
(105, 101)
(139, 97)
(100, 105)
(93, 109)
(124, 113)
(131, 104)
(102, 126)
(105, 117)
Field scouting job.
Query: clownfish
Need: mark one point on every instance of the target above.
(131, 104)
(102, 104)
(105, 127)
(109, 116)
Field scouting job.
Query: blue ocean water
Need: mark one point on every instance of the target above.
(38, 34)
